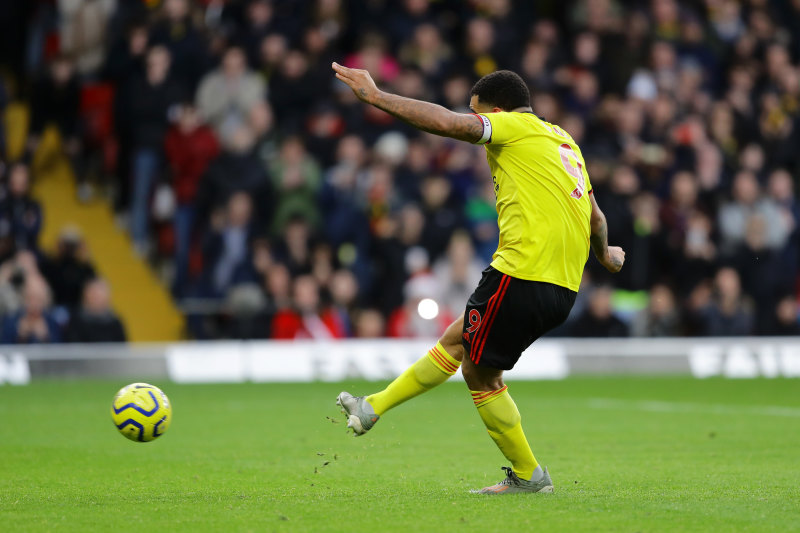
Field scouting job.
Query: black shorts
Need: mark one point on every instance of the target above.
(505, 315)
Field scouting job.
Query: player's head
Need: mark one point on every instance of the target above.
(501, 89)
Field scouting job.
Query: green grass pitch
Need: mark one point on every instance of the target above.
(644, 454)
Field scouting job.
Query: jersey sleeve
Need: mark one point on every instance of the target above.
(498, 128)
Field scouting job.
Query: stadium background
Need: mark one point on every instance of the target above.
(211, 168)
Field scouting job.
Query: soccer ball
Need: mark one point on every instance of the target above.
(141, 412)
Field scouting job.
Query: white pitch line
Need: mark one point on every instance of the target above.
(686, 407)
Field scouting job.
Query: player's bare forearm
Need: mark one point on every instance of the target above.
(426, 116)
(430, 117)
(611, 257)
(599, 236)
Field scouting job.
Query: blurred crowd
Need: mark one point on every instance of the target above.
(277, 206)
(47, 298)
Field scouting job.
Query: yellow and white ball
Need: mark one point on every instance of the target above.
(141, 412)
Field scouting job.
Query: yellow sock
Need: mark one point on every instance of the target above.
(432, 369)
(501, 418)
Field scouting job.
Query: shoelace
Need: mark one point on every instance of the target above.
(511, 477)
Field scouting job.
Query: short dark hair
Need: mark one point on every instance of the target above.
(503, 89)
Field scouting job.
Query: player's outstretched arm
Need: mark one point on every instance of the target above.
(611, 257)
(423, 115)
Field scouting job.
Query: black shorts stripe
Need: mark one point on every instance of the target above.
(491, 314)
(482, 328)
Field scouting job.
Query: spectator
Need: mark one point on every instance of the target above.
(293, 91)
(55, 101)
(535, 66)
(374, 57)
(395, 236)
(479, 45)
(781, 190)
(322, 264)
(227, 95)
(761, 272)
(127, 53)
(13, 274)
(246, 313)
(20, 214)
(295, 248)
(677, 210)
(416, 319)
(661, 318)
(278, 284)
(150, 99)
(125, 63)
(442, 216)
(272, 49)
(729, 313)
(616, 204)
(296, 179)
(370, 324)
(306, 320)
(84, 25)
(407, 15)
(343, 288)
(177, 32)
(648, 253)
(324, 127)
(427, 51)
(584, 96)
(236, 169)
(458, 273)
(598, 320)
(412, 169)
(748, 202)
(33, 324)
(227, 248)
(785, 319)
(455, 93)
(189, 148)
(697, 257)
(260, 21)
(344, 221)
(95, 321)
(482, 220)
(390, 150)
(69, 270)
(262, 257)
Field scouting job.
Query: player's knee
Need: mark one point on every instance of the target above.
(478, 379)
(451, 341)
(470, 377)
(455, 350)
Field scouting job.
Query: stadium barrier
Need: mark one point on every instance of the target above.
(299, 361)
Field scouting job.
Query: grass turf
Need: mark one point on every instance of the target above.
(644, 454)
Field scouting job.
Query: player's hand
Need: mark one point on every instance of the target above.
(359, 80)
(615, 259)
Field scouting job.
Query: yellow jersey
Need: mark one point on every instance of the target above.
(543, 204)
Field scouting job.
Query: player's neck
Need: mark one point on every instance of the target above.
(524, 109)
